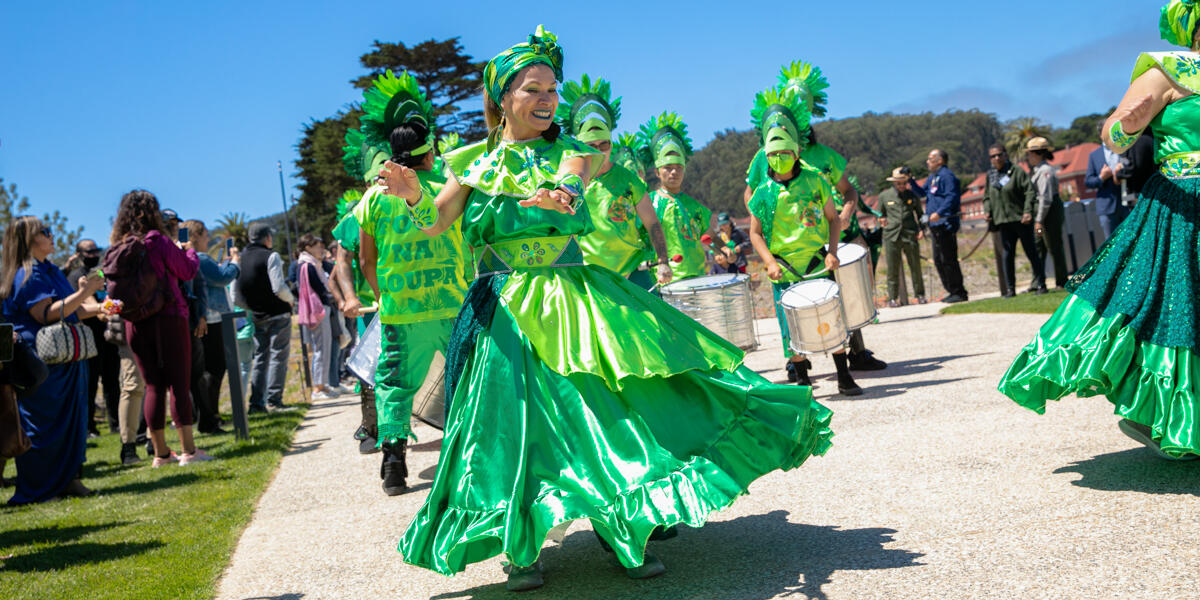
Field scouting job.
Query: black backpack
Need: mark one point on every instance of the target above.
(132, 280)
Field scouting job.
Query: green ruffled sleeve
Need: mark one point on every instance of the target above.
(762, 206)
(515, 169)
(1182, 67)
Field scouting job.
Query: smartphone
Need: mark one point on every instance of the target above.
(228, 245)
(183, 235)
(6, 342)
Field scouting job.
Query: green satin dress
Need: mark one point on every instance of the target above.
(1129, 328)
(575, 394)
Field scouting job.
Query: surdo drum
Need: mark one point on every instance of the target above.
(722, 303)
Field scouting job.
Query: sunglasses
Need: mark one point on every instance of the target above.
(995, 156)
(46, 232)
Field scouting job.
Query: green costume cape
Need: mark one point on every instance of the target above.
(1129, 329)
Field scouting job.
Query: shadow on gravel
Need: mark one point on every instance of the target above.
(916, 366)
(279, 597)
(1137, 470)
(303, 447)
(430, 446)
(749, 558)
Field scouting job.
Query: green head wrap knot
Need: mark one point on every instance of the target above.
(664, 141)
(542, 48)
(1177, 24)
(587, 112)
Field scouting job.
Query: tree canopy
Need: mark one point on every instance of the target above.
(12, 204)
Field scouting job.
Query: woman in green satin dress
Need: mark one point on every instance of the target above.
(1129, 329)
(573, 393)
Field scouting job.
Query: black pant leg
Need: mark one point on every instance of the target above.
(1029, 243)
(946, 257)
(110, 378)
(1009, 235)
(214, 367)
(205, 419)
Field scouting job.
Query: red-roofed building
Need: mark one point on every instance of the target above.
(1072, 169)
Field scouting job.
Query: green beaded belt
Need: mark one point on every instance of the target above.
(1181, 165)
(529, 253)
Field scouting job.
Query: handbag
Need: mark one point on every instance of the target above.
(65, 342)
(13, 441)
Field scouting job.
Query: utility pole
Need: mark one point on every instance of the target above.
(287, 220)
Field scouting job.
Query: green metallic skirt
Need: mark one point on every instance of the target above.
(578, 395)
(1129, 329)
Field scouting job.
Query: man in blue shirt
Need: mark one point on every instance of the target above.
(1103, 170)
(943, 196)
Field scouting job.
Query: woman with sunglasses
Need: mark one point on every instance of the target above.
(35, 293)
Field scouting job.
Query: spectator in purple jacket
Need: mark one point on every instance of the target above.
(160, 342)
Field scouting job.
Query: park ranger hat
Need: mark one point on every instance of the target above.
(899, 174)
(1039, 143)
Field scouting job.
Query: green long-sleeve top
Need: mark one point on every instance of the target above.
(1009, 195)
(903, 213)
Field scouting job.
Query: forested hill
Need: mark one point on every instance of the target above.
(873, 143)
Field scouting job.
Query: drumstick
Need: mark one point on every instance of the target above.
(787, 265)
(368, 309)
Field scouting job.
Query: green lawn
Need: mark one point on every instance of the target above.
(1021, 303)
(147, 533)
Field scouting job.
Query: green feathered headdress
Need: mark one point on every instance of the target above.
(448, 143)
(347, 203)
(781, 118)
(664, 141)
(362, 160)
(392, 101)
(808, 80)
(624, 154)
(587, 111)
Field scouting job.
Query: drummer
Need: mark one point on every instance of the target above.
(616, 197)
(808, 82)
(792, 215)
(420, 281)
(663, 143)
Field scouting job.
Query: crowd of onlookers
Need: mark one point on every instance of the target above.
(138, 327)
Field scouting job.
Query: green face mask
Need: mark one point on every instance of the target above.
(781, 163)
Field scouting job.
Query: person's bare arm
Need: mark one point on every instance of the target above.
(850, 195)
(78, 303)
(1146, 97)
(367, 257)
(835, 232)
(658, 239)
(774, 272)
(343, 280)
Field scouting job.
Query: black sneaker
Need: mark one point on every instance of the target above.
(129, 455)
(149, 448)
(393, 469)
(954, 298)
(865, 361)
(790, 367)
(256, 410)
(367, 446)
(360, 434)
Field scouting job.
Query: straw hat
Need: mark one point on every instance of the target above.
(899, 174)
(1039, 143)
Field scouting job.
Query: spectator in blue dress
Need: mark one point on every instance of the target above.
(35, 293)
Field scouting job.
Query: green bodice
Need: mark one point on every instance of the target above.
(1175, 129)
(512, 172)
(792, 216)
(684, 220)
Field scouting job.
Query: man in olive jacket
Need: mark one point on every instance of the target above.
(1010, 202)
(901, 229)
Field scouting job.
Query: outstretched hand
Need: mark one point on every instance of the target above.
(401, 181)
(556, 200)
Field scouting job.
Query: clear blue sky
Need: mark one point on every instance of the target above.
(196, 101)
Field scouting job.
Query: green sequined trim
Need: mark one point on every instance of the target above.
(530, 253)
(1181, 164)
(1182, 67)
(1118, 136)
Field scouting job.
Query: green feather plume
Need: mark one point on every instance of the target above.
(584, 102)
(347, 203)
(624, 153)
(392, 101)
(361, 159)
(806, 78)
(448, 143)
(781, 111)
(661, 136)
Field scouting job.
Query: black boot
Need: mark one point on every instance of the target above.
(790, 367)
(393, 469)
(367, 431)
(862, 359)
(846, 385)
(129, 455)
(802, 368)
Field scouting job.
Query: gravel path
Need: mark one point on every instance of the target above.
(936, 487)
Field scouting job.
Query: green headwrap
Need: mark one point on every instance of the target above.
(1178, 22)
(586, 111)
(809, 82)
(542, 48)
(781, 117)
(663, 141)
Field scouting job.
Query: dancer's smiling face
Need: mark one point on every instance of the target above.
(530, 102)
